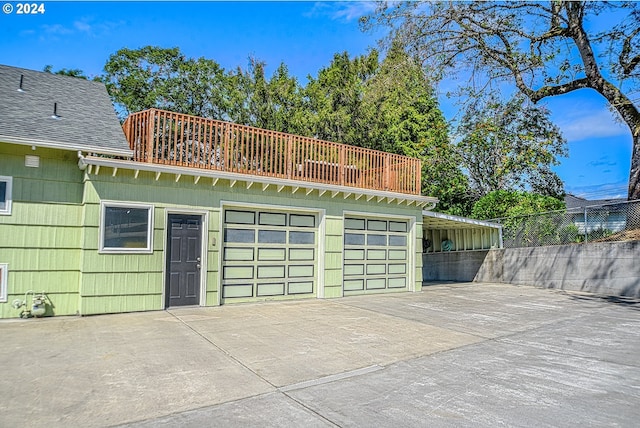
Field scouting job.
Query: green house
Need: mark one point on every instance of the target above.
(170, 210)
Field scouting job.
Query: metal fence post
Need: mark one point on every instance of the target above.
(586, 239)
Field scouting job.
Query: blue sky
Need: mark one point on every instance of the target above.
(303, 35)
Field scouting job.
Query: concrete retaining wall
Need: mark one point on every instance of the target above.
(461, 266)
(611, 268)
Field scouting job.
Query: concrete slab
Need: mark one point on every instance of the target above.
(104, 370)
(292, 342)
(485, 310)
(451, 355)
(270, 410)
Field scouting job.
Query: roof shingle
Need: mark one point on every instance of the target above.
(87, 120)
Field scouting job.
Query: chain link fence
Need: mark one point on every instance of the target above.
(612, 222)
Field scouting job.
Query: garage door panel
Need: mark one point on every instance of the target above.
(301, 254)
(354, 238)
(237, 272)
(376, 225)
(398, 241)
(237, 290)
(397, 282)
(376, 269)
(239, 235)
(376, 283)
(353, 270)
(239, 217)
(272, 237)
(376, 254)
(302, 220)
(398, 226)
(354, 284)
(302, 237)
(272, 254)
(305, 287)
(397, 254)
(238, 254)
(272, 219)
(300, 271)
(271, 271)
(354, 254)
(271, 289)
(398, 268)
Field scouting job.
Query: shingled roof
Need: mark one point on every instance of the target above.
(574, 202)
(49, 110)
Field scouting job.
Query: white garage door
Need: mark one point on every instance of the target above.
(376, 255)
(268, 254)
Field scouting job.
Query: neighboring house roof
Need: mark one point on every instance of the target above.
(86, 119)
(573, 202)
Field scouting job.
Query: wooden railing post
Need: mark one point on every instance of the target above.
(149, 143)
(418, 177)
(386, 170)
(289, 156)
(342, 164)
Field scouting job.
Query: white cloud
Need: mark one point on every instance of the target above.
(56, 29)
(82, 26)
(343, 10)
(578, 125)
(85, 25)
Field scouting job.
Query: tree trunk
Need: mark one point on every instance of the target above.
(634, 174)
(633, 211)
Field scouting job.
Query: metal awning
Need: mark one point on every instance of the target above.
(433, 220)
(445, 232)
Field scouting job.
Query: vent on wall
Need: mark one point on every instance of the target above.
(32, 161)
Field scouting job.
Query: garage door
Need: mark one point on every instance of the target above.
(375, 256)
(268, 254)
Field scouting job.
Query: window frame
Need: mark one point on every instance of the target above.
(122, 250)
(4, 275)
(8, 197)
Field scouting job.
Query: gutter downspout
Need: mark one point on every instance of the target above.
(81, 162)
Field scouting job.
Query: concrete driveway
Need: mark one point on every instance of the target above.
(451, 355)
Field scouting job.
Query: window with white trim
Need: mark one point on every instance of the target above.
(5, 195)
(126, 228)
(4, 269)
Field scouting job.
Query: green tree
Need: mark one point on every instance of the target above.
(510, 146)
(544, 48)
(139, 79)
(511, 203)
(403, 115)
(72, 72)
(286, 100)
(527, 219)
(199, 88)
(334, 99)
(274, 103)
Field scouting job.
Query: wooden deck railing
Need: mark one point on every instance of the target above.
(168, 138)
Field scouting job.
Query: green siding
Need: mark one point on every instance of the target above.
(418, 256)
(41, 238)
(50, 240)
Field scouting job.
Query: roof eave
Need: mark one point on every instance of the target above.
(456, 220)
(426, 202)
(65, 146)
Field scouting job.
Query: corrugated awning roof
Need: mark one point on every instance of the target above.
(433, 220)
